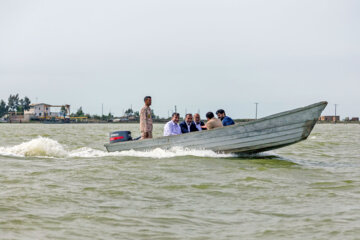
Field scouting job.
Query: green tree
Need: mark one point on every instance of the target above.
(3, 108)
(96, 117)
(24, 105)
(63, 111)
(27, 103)
(13, 102)
(20, 107)
(153, 116)
(129, 112)
(79, 112)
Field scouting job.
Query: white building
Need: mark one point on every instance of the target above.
(43, 110)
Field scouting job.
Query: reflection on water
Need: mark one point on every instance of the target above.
(58, 182)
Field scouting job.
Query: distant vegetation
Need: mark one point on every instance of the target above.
(14, 104)
(19, 105)
(129, 114)
(136, 115)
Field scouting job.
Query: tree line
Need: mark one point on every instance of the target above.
(14, 104)
(19, 105)
(128, 113)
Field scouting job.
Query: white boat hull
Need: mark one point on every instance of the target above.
(264, 134)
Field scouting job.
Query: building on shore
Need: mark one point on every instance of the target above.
(329, 118)
(43, 111)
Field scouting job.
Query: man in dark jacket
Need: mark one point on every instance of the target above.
(188, 125)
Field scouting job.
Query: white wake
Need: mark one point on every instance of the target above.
(46, 147)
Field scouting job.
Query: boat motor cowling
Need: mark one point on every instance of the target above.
(120, 136)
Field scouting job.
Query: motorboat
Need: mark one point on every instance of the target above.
(271, 132)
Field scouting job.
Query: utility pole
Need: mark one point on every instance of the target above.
(256, 109)
(102, 110)
(175, 109)
(335, 113)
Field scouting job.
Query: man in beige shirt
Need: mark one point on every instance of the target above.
(146, 125)
(212, 122)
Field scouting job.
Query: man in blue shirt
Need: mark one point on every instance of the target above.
(226, 121)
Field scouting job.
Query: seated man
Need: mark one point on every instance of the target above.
(226, 121)
(200, 125)
(212, 122)
(172, 127)
(188, 125)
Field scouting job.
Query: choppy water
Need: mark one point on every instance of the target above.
(57, 182)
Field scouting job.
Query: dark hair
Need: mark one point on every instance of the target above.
(209, 115)
(188, 114)
(221, 111)
(145, 98)
(175, 113)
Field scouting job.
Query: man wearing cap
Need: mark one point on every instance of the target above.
(146, 125)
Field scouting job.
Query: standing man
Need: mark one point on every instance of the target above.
(188, 125)
(172, 127)
(226, 121)
(198, 123)
(146, 125)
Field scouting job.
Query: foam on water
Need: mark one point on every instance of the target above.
(46, 147)
(38, 147)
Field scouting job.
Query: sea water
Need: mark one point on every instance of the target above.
(58, 182)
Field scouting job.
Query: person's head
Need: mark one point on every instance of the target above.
(188, 118)
(220, 113)
(197, 118)
(209, 115)
(147, 100)
(175, 117)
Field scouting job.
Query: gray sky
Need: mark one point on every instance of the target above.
(194, 54)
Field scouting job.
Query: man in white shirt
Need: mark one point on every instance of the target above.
(172, 127)
(200, 125)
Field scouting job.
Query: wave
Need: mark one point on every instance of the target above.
(49, 148)
(39, 147)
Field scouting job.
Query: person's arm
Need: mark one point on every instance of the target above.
(227, 121)
(177, 130)
(193, 127)
(209, 125)
(167, 130)
(143, 120)
(183, 128)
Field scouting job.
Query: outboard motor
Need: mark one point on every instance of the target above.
(120, 136)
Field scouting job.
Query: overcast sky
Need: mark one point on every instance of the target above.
(198, 55)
